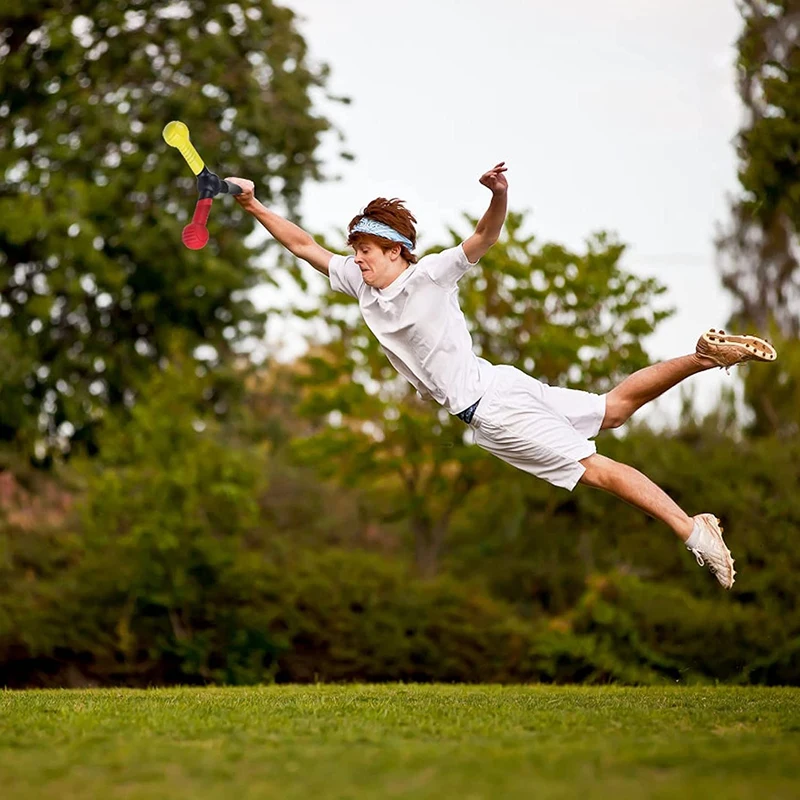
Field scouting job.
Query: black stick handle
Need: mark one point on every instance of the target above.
(210, 185)
(230, 188)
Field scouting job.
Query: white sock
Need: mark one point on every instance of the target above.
(696, 535)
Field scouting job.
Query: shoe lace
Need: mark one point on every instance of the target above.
(696, 553)
(700, 560)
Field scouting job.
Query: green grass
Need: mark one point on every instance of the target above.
(436, 742)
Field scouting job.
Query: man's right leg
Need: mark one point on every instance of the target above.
(702, 534)
(638, 490)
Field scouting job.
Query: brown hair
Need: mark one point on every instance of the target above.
(389, 212)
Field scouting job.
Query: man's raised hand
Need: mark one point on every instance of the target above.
(247, 197)
(495, 180)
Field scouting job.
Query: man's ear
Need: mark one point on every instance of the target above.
(394, 253)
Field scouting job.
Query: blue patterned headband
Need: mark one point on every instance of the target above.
(376, 228)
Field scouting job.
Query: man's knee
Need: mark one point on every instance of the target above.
(598, 471)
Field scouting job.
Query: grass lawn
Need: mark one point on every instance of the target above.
(394, 741)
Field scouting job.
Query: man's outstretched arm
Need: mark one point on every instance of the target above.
(491, 223)
(292, 237)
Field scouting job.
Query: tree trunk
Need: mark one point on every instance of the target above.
(428, 541)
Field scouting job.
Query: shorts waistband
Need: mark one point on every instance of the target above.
(468, 413)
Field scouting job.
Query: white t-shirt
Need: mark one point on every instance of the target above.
(421, 327)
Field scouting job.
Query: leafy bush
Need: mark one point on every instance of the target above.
(173, 573)
(307, 616)
(337, 615)
(684, 637)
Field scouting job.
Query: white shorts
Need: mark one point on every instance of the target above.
(541, 429)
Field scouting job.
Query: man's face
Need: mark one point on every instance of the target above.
(378, 268)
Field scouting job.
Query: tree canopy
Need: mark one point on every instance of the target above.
(95, 285)
(760, 248)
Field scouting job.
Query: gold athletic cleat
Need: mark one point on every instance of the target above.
(726, 350)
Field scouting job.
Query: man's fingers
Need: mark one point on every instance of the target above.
(495, 171)
(247, 186)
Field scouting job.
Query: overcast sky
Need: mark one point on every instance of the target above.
(611, 114)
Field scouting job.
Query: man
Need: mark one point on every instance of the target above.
(412, 307)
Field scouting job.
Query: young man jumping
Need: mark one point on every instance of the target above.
(412, 308)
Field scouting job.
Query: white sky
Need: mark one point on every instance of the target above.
(615, 115)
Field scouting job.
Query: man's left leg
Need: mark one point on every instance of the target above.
(714, 349)
(647, 384)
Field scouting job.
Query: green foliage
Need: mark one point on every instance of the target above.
(352, 616)
(95, 285)
(569, 318)
(305, 616)
(165, 510)
(762, 266)
(173, 498)
(760, 257)
(175, 575)
(331, 615)
(182, 567)
(165, 615)
(664, 629)
(774, 394)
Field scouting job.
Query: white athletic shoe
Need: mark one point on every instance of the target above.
(709, 549)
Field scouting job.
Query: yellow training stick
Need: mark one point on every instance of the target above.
(176, 134)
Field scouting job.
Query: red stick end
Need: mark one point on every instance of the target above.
(195, 236)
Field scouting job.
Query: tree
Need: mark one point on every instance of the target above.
(95, 286)
(572, 319)
(759, 252)
(170, 502)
